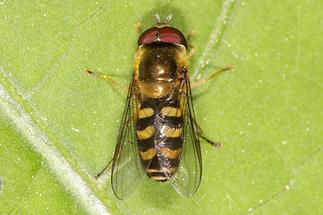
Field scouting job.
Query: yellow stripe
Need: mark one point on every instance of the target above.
(171, 111)
(159, 178)
(146, 133)
(145, 112)
(149, 154)
(153, 170)
(167, 170)
(169, 153)
(171, 132)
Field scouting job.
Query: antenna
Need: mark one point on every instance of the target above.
(166, 20)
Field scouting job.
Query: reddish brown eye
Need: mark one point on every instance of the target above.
(172, 35)
(149, 36)
(164, 34)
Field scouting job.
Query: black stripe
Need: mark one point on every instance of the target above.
(155, 162)
(174, 103)
(171, 143)
(173, 122)
(169, 162)
(158, 104)
(152, 174)
(150, 103)
(146, 144)
(144, 122)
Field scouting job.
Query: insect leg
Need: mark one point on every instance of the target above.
(106, 77)
(200, 133)
(190, 54)
(138, 27)
(104, 169)
(112, 160)
(214, 73)
(214, 144)
(189, 36)
(189, 44)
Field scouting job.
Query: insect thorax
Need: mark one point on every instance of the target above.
(158, 67)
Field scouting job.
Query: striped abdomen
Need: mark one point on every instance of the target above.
(159, 137)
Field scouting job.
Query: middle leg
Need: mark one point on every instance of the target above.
(214, 73)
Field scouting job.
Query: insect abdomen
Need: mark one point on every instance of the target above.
(159, 137)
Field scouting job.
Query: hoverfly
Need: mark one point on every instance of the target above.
(158, 136)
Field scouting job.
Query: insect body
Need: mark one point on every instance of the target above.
(158, 136)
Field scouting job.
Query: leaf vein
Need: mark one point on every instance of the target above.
(216, 35)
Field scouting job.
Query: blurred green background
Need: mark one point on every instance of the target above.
(267, 113)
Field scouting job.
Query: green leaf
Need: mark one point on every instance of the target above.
(58, 126)
(27, 187)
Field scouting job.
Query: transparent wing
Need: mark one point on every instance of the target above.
(188, 175)
(126, 166)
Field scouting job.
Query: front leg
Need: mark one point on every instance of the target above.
(107, 78)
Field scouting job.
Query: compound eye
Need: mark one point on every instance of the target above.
(164, 35)
(149, 36)
(172, 35)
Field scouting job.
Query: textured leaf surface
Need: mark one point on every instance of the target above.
(27, 187)
(267, 113)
